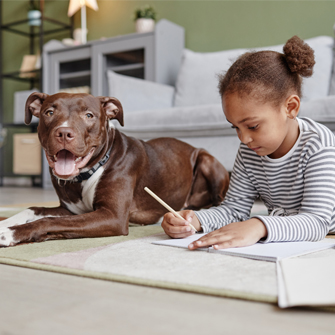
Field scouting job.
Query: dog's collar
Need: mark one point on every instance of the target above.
(86, 175)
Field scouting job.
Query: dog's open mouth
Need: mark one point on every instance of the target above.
(66, 164)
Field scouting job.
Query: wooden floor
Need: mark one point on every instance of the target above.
(38, 302)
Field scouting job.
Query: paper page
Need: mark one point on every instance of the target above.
(270, 252)
(282, 296)
(181, 242)
(308, 281)
(276, 251)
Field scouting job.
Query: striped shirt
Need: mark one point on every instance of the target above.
(298, 189)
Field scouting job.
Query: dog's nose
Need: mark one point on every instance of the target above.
(65, 134)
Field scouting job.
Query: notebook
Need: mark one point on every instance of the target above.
(306, 281)
(181, 242)
(270, 252)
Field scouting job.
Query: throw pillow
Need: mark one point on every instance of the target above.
(138, 94)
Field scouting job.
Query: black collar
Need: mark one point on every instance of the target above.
(86, 175)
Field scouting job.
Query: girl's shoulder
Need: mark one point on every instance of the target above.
(316, 139)
(316, 132)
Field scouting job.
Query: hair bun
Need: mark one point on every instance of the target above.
(299, 56)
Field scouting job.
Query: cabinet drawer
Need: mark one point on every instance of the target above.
(27, 154)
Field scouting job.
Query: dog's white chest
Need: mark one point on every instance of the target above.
(85, 205)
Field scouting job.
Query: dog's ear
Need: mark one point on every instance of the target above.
(112, 108)
(33, 105)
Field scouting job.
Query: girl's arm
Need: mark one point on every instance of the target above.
(237, 204)
(315, 217)
(236, 207)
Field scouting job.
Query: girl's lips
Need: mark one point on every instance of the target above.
(255, 148)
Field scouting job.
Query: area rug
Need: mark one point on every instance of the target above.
(134, 259)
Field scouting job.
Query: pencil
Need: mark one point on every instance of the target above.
(166, 205)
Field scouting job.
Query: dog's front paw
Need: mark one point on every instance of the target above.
(7, 237)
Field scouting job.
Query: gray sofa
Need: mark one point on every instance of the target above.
(192, 112)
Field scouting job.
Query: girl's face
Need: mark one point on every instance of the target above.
(266, 129)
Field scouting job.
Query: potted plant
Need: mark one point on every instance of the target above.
(145, 19)
(34, 15)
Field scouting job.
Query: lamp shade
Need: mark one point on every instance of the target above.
(75, 5)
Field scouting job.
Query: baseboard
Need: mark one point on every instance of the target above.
(17, 181)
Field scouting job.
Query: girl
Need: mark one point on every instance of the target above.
(288, 162)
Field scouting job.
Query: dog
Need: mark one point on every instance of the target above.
(99, 173)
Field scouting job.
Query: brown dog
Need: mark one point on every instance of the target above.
(100, 174)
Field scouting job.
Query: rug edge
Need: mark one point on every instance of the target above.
(142, 282)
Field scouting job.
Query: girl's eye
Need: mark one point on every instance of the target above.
(234, 127)
(253, 128)
(89, 115)
(49, 113)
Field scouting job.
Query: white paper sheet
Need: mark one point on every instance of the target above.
(306, 281)
(182, 242)
(273, 252)
(270, 252)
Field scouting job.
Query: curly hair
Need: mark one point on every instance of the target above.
(269, 75)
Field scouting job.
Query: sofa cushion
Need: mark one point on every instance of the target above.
(178, 122)
(321, 110)
(207, 120)
(138, 94)
(197, 79)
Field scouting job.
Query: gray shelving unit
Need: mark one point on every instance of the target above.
(154, 56)
(35, 36)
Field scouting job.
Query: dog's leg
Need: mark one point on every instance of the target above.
(32, 214)
(28, 215)
(101, 223)
(210, 183)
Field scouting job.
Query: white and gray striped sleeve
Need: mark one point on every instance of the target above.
(313, 221)
(237, 204)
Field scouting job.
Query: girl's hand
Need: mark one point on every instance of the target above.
(235, 234)
(178, 228)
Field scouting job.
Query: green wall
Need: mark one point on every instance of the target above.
(218, 25)
(209, 26)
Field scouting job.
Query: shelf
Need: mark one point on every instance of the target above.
(8, 27)
(71, 82)
(121, 68)
(33, 125)
(35, 37)
(16, 75)
(76, 74)
(74, 66)
(128, 57)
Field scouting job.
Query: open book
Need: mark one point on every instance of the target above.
(270, 252)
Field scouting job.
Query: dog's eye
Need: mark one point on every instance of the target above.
(89, 115)
(49, 113)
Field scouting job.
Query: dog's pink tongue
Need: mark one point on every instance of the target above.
(65, 164)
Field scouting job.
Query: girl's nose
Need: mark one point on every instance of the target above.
(245, 137)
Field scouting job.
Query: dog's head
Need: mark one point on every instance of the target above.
(73, 128)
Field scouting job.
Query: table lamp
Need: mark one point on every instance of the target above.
(74, 6)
